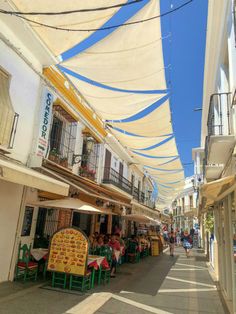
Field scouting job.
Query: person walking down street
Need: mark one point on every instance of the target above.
(172, 243)
(178, 238)
(115, 245)
(186, 240)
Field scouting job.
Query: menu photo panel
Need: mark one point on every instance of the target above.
(68, 252)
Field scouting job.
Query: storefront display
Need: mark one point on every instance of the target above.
(68, 252)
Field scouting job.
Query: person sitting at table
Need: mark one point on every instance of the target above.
(122, 244)
(100, 242)
(115, 245)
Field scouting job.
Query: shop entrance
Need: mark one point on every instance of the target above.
(82, 221)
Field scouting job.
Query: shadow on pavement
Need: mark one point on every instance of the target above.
(145, 277)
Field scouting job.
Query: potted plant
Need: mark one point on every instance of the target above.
(54, 155)
(64, 162)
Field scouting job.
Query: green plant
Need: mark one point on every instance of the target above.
(54, 152)
(209, 222)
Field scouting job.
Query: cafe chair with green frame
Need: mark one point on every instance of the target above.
(105, 273)
(133, 252)
(80, 283)
(144, 251)
(25, 267)
(59, 280)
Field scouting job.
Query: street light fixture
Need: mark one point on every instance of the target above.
(196, 187)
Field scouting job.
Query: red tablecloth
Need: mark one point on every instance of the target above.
(95, 261)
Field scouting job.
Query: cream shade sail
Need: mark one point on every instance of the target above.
(167, 149)
(136, 142)
(156, 123)
(119, 71)
(123, 105)
(60, 41)
(20, 174)
(73, 203)
(136, 47)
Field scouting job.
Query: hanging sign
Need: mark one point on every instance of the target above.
(44, 124)
(68, 252)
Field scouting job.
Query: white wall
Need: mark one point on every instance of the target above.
(9, 213)
(24, 93)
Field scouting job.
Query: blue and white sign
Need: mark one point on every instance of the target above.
(44, 124)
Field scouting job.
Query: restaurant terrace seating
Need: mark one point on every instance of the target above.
(25, 267)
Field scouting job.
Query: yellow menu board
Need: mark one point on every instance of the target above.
(68, 252)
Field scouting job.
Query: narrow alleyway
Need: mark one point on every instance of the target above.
(156, 285)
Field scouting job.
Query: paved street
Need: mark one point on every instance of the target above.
(155, 285)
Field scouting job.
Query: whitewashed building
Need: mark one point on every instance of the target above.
(184, 207)
(216, 156)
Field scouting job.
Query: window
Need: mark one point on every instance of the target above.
(27, 222)
(90, 160)
(8, 118)
(46, 225)
(62, 137)
(191, 201)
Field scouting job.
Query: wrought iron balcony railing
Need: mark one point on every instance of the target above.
(218, 122)
(113, 177)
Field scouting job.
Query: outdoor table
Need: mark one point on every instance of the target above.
(39, 254)
(96, 262)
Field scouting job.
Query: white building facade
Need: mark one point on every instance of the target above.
(216, 157)
(184, 207)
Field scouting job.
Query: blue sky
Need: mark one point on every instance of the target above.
(185, 51)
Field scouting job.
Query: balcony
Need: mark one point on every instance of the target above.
(114, 178)
(220, 141)
(190, 211)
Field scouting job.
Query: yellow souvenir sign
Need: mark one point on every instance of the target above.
(68, 252)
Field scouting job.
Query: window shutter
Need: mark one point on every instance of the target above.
(6, 110)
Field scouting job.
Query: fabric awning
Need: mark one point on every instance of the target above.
(19, 174)
(137, 218)
(73, 203)
(211, 191)
(71, 179)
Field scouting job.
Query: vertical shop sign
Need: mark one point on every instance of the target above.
(44, 124)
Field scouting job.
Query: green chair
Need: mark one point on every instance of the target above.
(145, 251)
(80, 283)
(133, 252)
(103, 274)
(59, 280)
(25, 267)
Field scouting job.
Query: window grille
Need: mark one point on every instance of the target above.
(89, 165)
(62, 138)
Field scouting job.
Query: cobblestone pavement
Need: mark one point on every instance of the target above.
(160, 284)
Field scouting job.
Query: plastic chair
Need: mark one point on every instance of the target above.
(25, 268)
